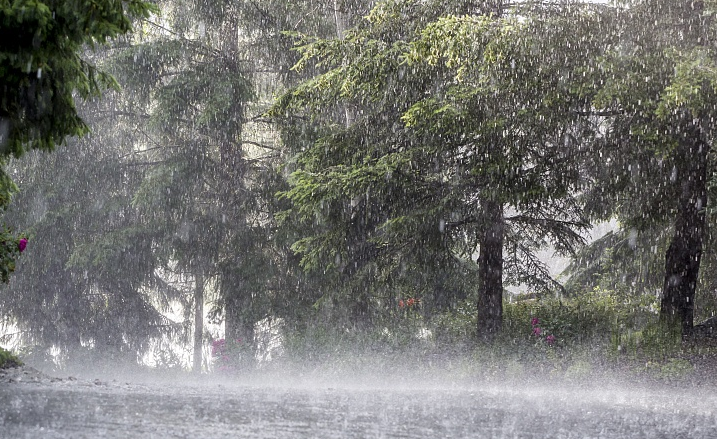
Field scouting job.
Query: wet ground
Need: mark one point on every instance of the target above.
(71, 408)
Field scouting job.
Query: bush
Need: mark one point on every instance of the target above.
(7, 359)
(455, 327)
(574, 338)
(596, 316)
(674, 369)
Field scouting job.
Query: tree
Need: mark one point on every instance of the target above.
(656, 88)
(463, 140)
(197, 82)
(176, 186)
(42, 65)
(193, 86)
(89, 284)
(41, 70)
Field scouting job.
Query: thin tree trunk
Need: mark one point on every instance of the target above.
(238, 330)
(682, 260)
(490, 271)
(340, 18)
(198, 322)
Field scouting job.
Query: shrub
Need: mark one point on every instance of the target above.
(7, 359)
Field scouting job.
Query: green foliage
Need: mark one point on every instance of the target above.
(10, 249)
(418, 129)
(41, 65)
(42, 70)
(572, 321)
(674, 369)
(8, 360)
(599, 334)
(85, 282)
(651, 166)
(169, 181)
(654, 340)
(455, 326)
(624, 260)
(325, 347)
(396, 134)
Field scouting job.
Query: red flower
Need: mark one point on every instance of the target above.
(534, 321)
(400, 303)
(537, 331)
(22, 244)
(550, 339)
(411, 302)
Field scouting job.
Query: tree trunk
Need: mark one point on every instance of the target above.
(198, 322)
(341, 20)
(490, 271)
(237, 328)
(682, 260)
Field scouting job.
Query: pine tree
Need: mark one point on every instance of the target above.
(41, 70)
(651, 166)
(463, 140)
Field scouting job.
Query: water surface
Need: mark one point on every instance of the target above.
(116, 410)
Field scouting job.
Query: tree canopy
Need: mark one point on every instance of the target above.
(461, 141)
(321, 163)
(42, 70)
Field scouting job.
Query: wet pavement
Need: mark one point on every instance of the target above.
(87, 409)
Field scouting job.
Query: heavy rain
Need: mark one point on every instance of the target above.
(358, 218)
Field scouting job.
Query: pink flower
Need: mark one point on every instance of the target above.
(218, 346)
(550, 339)
(22, 244)
(400, 303)
(537, 331)
(534, 321)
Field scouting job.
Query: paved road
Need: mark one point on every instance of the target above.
(113, 410)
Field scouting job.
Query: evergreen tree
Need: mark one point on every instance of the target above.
(651, 167)
(464, 132)
(41, 70)
(193, 86)
(87, 284)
